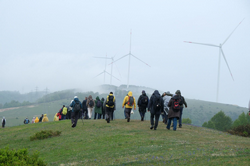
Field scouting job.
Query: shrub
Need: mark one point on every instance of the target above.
(45, 134)
(242, 130)
(243, 119)
(19, 157)
(187, 121)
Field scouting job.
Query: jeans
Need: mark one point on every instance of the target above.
(180, 119)
(109, 112)
(63, 117)
(128, 111)
(142, 112)
(90, 110)
(125, 113)
(169, 123)
(98, 116)
(156, 116)
(74, 117)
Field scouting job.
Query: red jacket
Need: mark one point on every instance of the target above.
(59, 115)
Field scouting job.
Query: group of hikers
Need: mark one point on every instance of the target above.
(170, 106)
(43, 118)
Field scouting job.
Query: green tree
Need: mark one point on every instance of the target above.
(243, 119)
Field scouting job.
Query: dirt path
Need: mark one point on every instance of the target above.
(13, 108)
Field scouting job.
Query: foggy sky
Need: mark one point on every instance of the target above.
(52, 44)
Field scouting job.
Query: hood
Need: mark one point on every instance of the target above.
(90, 97)
(76, 100)
(3, 117)
(143, 93)
(97, 98)
(37, 118)
(176, 96)
(156, 92)
(178, 92)
(102, 99)
(45, 115)
(130, 93)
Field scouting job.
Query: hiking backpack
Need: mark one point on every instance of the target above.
(64, 112)
(158, 103)
(77, 106)
(99, 104)
(176, 106)
(144, 100)
(110, 101)
(91, 103)
(130, 101)
(26, 121)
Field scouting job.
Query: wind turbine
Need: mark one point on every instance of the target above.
(220, 52)
(112, 58)
(104, 72)
(129, 57)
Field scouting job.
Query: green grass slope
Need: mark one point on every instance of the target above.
(122, 143)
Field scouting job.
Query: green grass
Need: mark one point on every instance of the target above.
(122, 143)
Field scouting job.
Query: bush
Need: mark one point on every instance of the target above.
(243, 119)
(19, 157)
(242, 130)
(45, 134)
(187, 121)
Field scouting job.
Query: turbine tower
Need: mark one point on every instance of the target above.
(129, 57)
(220, 52)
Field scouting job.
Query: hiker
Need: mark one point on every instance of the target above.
(110, 106)
(3, 122)
(64, 112)
(155, 107)
(85, 109)
(142, 103)
(76, 108)
(33, 120)
(166, 96)
(41, 118)
(98, 108)
(178, 92)
(129, 102)
(56, 118)
(90, 105)
(36, 120)
(59, 115)
(26, 121)
(174, 110)
(69, 111)
(103, 110)
(125, 111)
(45, 118)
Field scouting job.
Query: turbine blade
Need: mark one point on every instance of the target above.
(141, 60)
(232, 32)
(102, 57)
(118, 59)
(226, 63)
(99, 74)
(112, 76)
(202, 44)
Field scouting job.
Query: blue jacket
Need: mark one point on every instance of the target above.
(76, 100)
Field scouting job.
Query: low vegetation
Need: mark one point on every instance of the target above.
(45, 134)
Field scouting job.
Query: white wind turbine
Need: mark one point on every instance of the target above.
(129, 55)
(220, 52)
(104, 72)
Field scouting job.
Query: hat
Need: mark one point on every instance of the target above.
(143, 91)
(75, 97)
(178, 92)
(111, 92)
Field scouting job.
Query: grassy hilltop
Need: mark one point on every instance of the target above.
(122, 143)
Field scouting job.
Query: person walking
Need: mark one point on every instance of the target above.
(110, 106)
(142, 103)
(26, 121)
(166, 96)
(178, 92)
(69, 111)
(64, 112)
(155, 108)
(76, 108)
(85, 109)
(90, 105)
(103, 109)
(174, 110)
(98, 108)
(3, 122)
(129, 102)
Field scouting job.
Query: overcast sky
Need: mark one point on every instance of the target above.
(52, 44)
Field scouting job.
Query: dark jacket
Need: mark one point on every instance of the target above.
(98, 110)
(139, 101)
(76, 100)
(84, 106)
(184, 101)
(153, 103)
(40, 119)
(171, 113)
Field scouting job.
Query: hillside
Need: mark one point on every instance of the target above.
(122, 143)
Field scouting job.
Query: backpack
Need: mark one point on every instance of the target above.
(144, 100)
(77, 106)
(26, 121)
(91, 103)
(158, 103)
(99, 104)
(64, 112)
(3, 121)
(130, 101)
(110, 101)
(176, 104)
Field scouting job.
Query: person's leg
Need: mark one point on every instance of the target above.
(152, 121)
(112, 114)
(125, 113)
(175, 124)
(72, 118)
(157, 116)
(76, 117)
(180, 119)
(95, 115)
(89, 109)
(169, 124)
(166, 119)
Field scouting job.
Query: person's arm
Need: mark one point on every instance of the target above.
(124, 101)
(138, 101)
(184, 101)
(134, 104)
(114, 104)
(150, 103)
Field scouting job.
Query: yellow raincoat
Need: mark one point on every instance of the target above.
(36, 120)
(56, 118)
(45, 118)
(125, 101)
